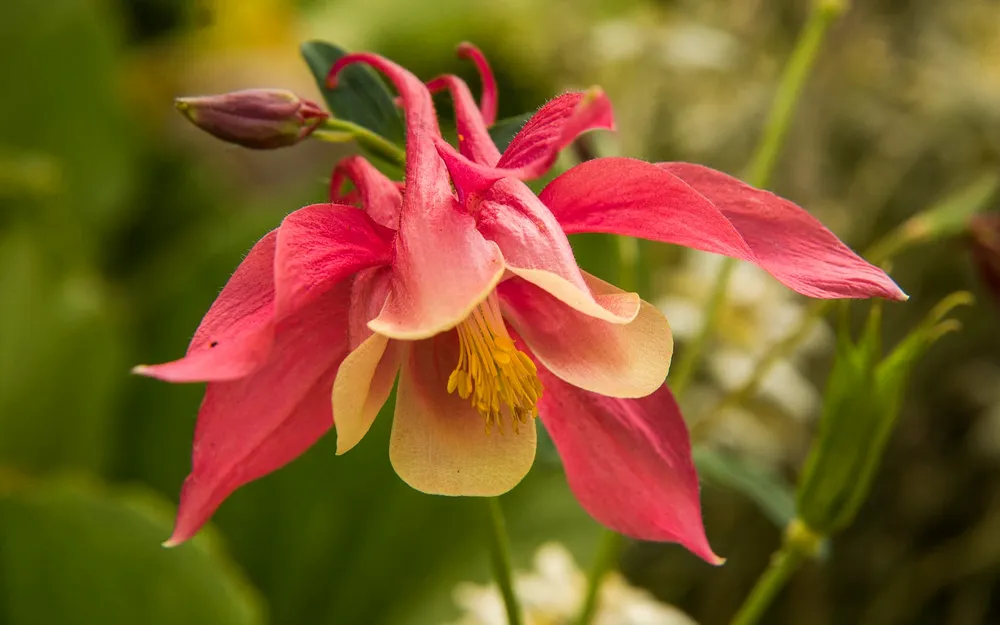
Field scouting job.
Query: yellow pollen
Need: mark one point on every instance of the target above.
(491, 373)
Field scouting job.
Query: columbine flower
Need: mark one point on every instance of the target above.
(475, 299)
(262, 119)
(553, 593)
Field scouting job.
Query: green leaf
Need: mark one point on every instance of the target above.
(505, 129)
(361, 96)
(76, 553)
(772, 494)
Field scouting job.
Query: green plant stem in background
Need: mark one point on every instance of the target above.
(500, 559)
(608, 552)
(797, 71)
(799, 545)
(335, 130)
(784, 562)
(799, 542)
(762, 163)
(682, 372)
(948, 217)
(628, 263)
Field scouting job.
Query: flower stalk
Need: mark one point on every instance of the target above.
(799, 544)
(500, 561)
(334, 130)
(608, 552)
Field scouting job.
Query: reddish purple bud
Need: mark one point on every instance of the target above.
(984, 237)
(262, 119)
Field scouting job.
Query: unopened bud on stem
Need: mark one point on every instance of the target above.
(262, 119)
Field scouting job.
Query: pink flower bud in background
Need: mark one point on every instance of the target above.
(984, 237)
(261, 119)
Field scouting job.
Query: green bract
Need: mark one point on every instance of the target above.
(863, 399)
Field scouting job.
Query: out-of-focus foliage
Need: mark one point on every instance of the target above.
(119, 224)
(74, 553)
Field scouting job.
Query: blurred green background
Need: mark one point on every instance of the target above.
(120, 222)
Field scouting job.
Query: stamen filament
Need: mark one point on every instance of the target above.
(496, 377)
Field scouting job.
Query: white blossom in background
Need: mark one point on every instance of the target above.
(692, 63)
(553, 594)
(758, 312)
(680, 43)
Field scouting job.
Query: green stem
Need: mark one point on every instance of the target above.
(800, 544)
(682, 372)
(784, 562)
(797, 71)
(500, 559)
(628, 263)
(762, 163)
(607, 557)
(338, 130)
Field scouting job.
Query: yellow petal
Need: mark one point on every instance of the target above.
(614, 307)
(615, 360)
(363, 383)
(439, 443)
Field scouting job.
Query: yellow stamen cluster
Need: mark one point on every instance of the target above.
(494, 375)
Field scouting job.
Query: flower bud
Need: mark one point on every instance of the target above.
(984, 239)
(262, 119)
(863, 398)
